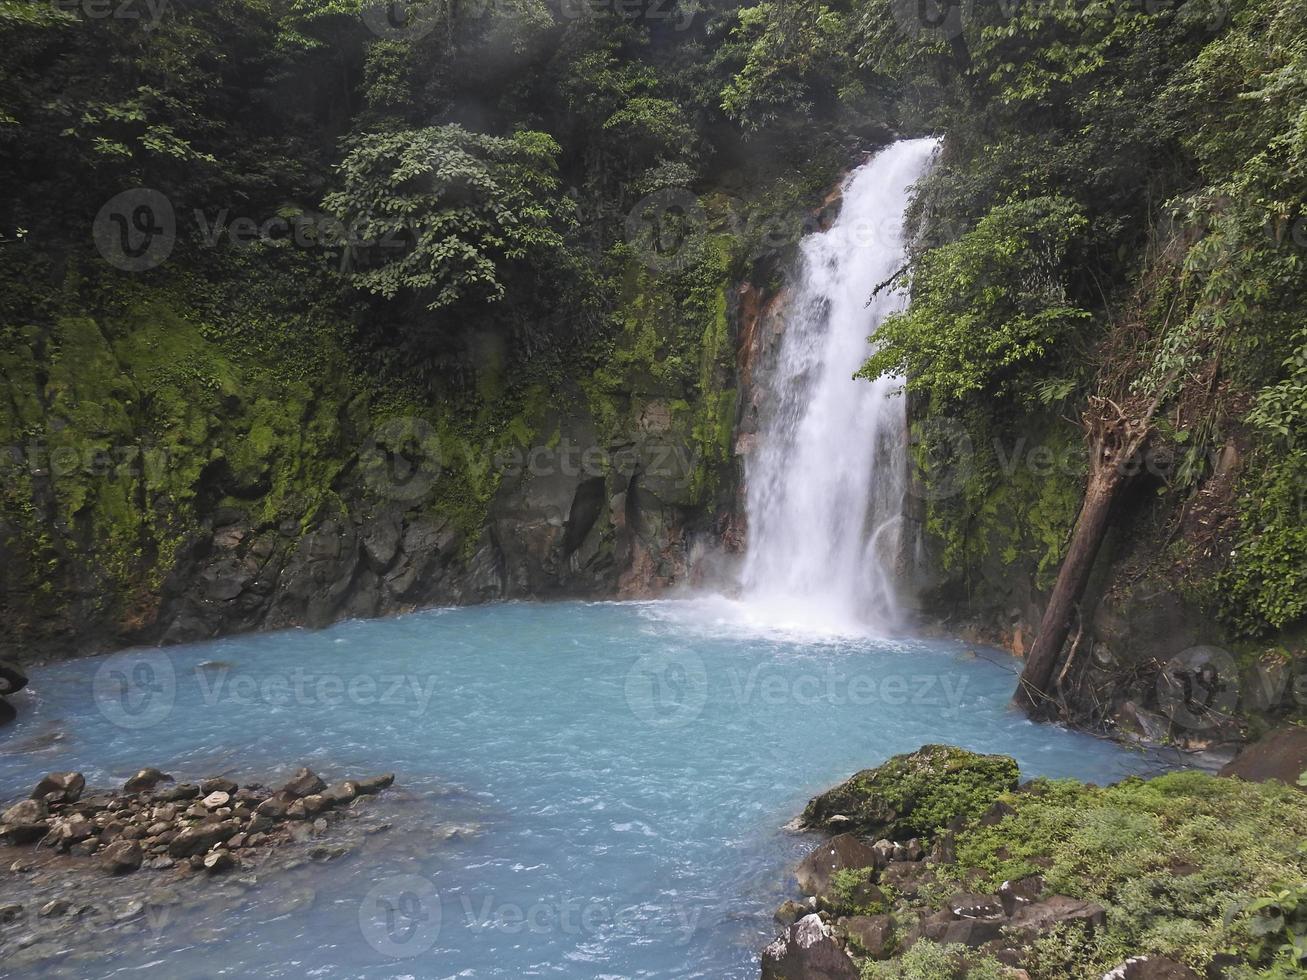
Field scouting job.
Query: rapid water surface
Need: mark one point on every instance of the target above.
(584, 790)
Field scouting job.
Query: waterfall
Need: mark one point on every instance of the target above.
(826, 481)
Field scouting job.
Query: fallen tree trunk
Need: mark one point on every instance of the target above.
(1116, 440)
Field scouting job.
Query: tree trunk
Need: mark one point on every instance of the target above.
(1116, 440)
(1033, 693)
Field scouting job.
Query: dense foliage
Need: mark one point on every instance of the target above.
(1119, 211)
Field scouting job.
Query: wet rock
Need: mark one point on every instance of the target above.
(320, 825)
(297, 811)
(26, 811)
(304, 783)
(200, 838)
(807, 951)
(161, 863)
(871, 935)
(274, 807)
(216, 799)
(374, 784)
(145, 781)
(165, 813)
(54, 908)
(10, 913)
(314, 804)
(789, 912)
(216, 861)
(217, 784)
(68, 831)
(129, 910)
(60, 787)
(917, 794)
(1023, 891)
(12, 678)
(455, 831)
(26, 822)
(340, 793)
(380, 541)
(121, 857)
(817, 871)
(180, 792)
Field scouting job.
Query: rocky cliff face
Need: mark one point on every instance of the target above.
(163, 486)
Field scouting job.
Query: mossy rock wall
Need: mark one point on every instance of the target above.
(166, 480)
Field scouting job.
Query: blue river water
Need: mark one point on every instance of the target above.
(583, 789)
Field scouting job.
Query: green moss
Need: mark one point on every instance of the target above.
(917, 794)
(1263, 586)
(931, 961)
(855, 892)
(999, 495)
(1172, 859)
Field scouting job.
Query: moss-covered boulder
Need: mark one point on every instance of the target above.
(914, 795)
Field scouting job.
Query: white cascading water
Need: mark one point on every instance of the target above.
(826, 481)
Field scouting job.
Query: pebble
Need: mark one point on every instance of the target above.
(129, 910)
(124, 832)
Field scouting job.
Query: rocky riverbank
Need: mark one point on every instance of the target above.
(941, 864)
(82, 865)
